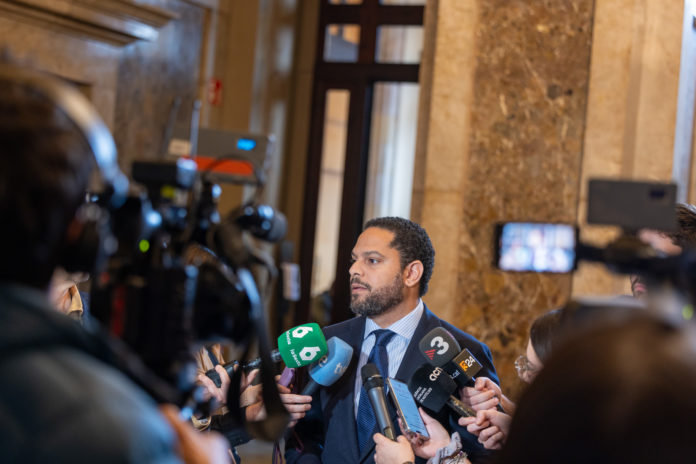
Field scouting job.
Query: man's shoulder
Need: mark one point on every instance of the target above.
(464, 338)
(69, 397)
(343, 327)
(66, 387)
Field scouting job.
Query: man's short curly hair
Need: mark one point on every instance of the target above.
(412, 243)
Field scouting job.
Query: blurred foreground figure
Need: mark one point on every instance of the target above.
(60, 401)
(618, 392)
(667, 243)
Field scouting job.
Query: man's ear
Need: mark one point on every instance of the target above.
(412, 273)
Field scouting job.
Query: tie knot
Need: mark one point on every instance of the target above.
(382, 336)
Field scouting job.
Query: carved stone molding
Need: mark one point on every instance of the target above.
(115, 22)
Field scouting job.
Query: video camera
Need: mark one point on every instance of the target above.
(633, 206)
(183, 276)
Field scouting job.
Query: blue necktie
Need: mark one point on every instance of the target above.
(366, 417)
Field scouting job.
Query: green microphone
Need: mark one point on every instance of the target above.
(299, 346)
(302, 345)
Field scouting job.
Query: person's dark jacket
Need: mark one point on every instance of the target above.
(328, 432)
(59, 403)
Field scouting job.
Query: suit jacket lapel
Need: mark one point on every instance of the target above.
(413, 358)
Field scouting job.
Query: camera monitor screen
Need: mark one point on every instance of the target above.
(535, 247)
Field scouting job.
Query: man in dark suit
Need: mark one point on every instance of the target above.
(392, 263)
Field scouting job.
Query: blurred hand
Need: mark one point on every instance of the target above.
(392, 452)
(485, 394)
(490, 426)
(439, 437)
(297, 405)
(195, 447)
(212, 391)
(249, 394)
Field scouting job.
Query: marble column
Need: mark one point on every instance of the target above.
(504, 96)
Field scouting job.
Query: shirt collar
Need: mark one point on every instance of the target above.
(404, 327)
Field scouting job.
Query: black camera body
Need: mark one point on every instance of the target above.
(556, 247)
(633, 206)
(152, 296)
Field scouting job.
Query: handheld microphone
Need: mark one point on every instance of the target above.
(331, 367)
(374, 386)
(467, 365)
(297, 347)
(439, 348)
(433, 388)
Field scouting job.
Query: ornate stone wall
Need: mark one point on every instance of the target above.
(151, 77)
(131, 58)
(504, 141)
(521, 103)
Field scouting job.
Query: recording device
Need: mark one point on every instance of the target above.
(433, 388)
(331, 367)
(535, 247)
(407, 408)
(183, 276)
(297, 347)
(632, 205)
(262, 222)
(374, 386)
(554, 247)
(145, 293)
(468, 365)
(440, 348)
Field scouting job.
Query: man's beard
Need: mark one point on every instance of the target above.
(378, 301)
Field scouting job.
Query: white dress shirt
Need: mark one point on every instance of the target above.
(396, 348)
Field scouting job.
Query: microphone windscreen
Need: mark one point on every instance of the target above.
(371, 376)
(431, 387)
(302, 345)
(467, 363)
(438, 346)
(334, 364)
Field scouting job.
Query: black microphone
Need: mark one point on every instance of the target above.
(439, 348)
(374, 386)
(467, 365)
(247, 366)
(433, 388)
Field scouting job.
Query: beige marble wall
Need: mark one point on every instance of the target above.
(631, 112)
(500, 137)
(521, 103)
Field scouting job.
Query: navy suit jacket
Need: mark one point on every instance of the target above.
(328, 432)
